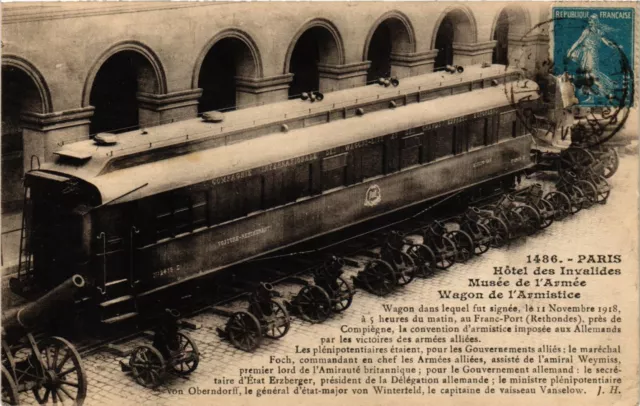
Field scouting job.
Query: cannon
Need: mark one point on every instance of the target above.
(50, 368)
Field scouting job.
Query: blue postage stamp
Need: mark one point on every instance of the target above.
(593, 47)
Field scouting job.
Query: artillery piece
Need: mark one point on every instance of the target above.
(51, 367)
(172, 352)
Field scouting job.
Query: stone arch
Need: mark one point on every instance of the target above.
(510, 24)
(332, 54)
(153, 75)
(519, 19)
(455, 26)
(44, 104)
(402, 32)
(251, 67)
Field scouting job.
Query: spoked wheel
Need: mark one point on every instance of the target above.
(515, 223)
(499, 230)
(576, 195)
(277, 320)
(424, 258)
(531, 219)
(611, 163)
(546, 211)
(9, 389)
(603, 188)
(187, 356)
(575, 159)
(64, 380)
(313, 304)
(244, 331)
(481, 238)
(342, 295)
(446, 253)
(404, 266)
(379, 277)
(561, 205)
(590, 193)
(464, 245)
(147, 366)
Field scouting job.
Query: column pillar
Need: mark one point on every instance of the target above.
(404, 65)
(258, 91)
(526, 52)
(43, 134)
(339, 77)
(156, 109)
(473, 54)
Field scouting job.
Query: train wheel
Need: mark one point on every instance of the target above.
(499, 230)
(603, 190)
(313, 304)
(531, 219)
(424, 258)
(9, 389)
(379, 277)
(611, 163)
(575, 159)
(405, 268)
(147, 366)
(64, 377)
(590, 193)
(343, 296)
(277, 320)
(244, 331)
(561, 205)
(546, 211)
(186, 357)
(464, 245)
(481, 239)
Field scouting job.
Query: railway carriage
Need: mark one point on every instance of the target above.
(136, 220)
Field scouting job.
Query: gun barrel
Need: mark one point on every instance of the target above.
(29, 315)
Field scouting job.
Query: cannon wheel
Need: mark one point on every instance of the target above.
(589, 191)
(9, 389)
(147, 366)
(313, 304)
(64, 375)
(499, 230)
(561, 205)
(481, 239)
(531, 219)
(603, 188)
(424, 257)
(445, 255)
(277, 321)
(464, 245)
(612, 163)
(243, 329)
(379, 277)
(575, 159)
(514, 222)
(576, 195)
(343, 295)
(188, 354)
(405, 268)
(546, 211)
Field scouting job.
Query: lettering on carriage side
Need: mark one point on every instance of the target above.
(482, 162)
(363, 143)
(517, 159)
(231, 178)
(373, 196)
(243, 236)
(486, 113)
(165, 271)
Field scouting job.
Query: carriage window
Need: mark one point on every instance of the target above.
(333, 171)
(507, 126)
(372, 160)
(275, 183)
(181, 213)
(199, 209)
(443, 144)
(236, 199)
(163, 220)
(300, 182)
(477, 132)
(410, 154)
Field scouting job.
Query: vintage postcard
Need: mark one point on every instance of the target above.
(364, 203)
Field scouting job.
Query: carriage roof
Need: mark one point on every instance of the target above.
(208, 164)
(91, 160)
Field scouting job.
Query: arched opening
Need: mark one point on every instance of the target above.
(501, 36)
(20, 95)
(114, 90)
(227, 59)
(390, 36)
(455, 27)
(315, 46)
